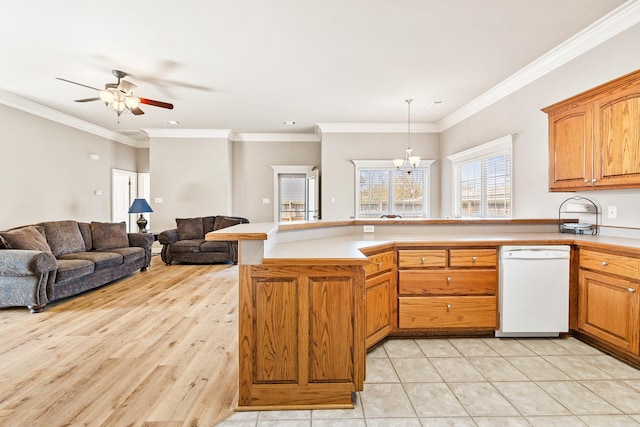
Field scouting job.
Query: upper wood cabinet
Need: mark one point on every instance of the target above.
(594, 138)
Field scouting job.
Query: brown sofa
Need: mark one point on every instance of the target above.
(186, 242)
(52, 260)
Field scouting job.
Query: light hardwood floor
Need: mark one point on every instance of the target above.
(158, 348)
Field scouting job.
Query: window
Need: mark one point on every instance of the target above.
(382, 189)
(482, 180)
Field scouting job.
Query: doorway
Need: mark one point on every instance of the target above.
(125, 187)
(296, 193)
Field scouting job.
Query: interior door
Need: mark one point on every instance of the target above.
(124, 188)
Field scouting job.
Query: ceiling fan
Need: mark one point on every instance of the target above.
(119, 96)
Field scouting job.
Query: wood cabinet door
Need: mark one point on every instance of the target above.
(570, 147)
(381, 307)
(617, 137)
(608, 309)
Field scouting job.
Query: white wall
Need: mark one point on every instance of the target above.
(47, 173)
(192, 176)
(520, 115)
(338, 170)
(253, 175)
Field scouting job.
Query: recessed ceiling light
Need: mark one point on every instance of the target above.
(173, 122)
(436, 104)
(289, 122)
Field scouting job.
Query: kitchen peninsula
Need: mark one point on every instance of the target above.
(314, 296)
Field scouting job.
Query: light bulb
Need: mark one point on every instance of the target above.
(132, 102)
(106, 96)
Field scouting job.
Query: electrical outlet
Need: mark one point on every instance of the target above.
(612, 212)
(369, 229)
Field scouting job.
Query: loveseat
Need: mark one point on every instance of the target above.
(52, 260)
(186, 243)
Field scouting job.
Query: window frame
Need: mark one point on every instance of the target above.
(480, 153)
(387, 165)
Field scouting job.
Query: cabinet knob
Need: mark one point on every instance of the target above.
(448, 307)
(474, 258)
(424, 259)
(586, 180)
(380, 264)
(604, 263)
(631, 290)
(449, 279)
(594, 180)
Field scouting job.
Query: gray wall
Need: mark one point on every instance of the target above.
(253, 175)
(192, 176)
(520, 115)
(47, 173)
(338, 170)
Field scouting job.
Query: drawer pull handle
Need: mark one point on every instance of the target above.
(605, 263)
(424, 259)
(449, 279)
(448, 307)
(631, 290)
(380, 264)
(474, 258)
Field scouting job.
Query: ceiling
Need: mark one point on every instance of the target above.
(251, 65)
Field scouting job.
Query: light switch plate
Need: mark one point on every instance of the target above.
(369, 229)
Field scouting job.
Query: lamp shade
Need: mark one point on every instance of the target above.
(140, 206)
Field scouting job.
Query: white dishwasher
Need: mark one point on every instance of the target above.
(534, 291)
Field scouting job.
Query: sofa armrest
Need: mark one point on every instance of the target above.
(17, 262)
(141, 240)
(168, 237)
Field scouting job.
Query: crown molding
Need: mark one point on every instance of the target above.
(187, 133)
(275, 137)
(376, 128)
(612, 24)
(39, 110)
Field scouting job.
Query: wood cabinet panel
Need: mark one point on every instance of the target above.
(448, 312)
(276, 334)
(448, 282)
(610, 263)
(608, 309)
(476, 258)
(331, 347)
(427, 258)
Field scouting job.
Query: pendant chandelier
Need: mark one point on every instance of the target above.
(409, 160)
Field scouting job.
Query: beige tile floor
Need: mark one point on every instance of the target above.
(480, 382)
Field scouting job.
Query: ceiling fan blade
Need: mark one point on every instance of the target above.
(126, 87)
(86, 100)
(79, 84)
(137, 111)
(156, 103)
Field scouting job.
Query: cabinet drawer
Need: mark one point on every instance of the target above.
(448, 282)
(378, 263)
(472, 257)
(434, 258)
(609, 263)
(448, 312)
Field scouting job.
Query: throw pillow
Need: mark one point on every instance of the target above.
(190, 228)
(28, 238)
(64, 237)
(109, 235)
(228, 222)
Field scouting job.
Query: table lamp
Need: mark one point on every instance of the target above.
(140, 206)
